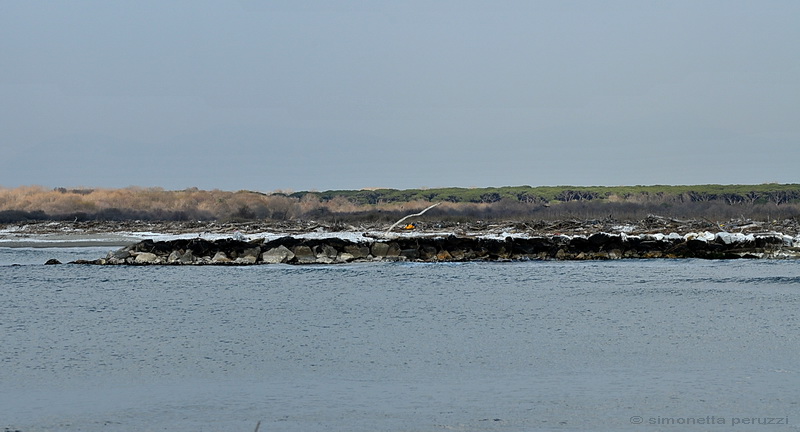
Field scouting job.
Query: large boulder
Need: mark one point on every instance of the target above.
(325, 253)
(457, 254)
(249, 256)
(358, 251)
(444, 255)
(379, 250)
(120, 254)
(394, 249)
(220, 258)
(174, 257)
(187, 257)
(304, 255)
(200, 247)
(427, 253)
(146, 258)
(277, 255)
(410, 253)
(739, 239)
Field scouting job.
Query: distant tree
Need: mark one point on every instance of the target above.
(732, 198)
(491, 197)
(576, 195)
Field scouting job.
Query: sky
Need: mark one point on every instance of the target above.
(319, 95)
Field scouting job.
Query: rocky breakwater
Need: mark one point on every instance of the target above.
(295, 250)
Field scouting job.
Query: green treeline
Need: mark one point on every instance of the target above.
(730, 194)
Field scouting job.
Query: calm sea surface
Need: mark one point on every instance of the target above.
(551, 346)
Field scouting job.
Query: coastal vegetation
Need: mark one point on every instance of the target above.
(717, 202)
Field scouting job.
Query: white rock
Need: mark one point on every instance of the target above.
(674, 236)
(707, 236)
(725, 237)
(733, 238)
(344, 257)
(146, 258)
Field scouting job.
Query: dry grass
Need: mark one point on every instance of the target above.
(135, 203)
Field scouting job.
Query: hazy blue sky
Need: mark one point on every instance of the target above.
(268, 95)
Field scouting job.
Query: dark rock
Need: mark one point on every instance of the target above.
(379, 250)
(498, 249)
(83, 261)
(768, 241)
(52, 261)
(120, 254)
(325, 251)
(288, 242)
(394, 249)
(452, 248)
(456, 254)
(410, 254)
(646, 245)
(427, 253)
(200, 247)
(604, 241)
(532, 246)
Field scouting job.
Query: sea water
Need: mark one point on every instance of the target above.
(628, 345)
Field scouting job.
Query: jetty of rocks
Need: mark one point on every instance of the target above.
(598, 246)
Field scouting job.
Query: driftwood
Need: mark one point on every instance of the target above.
(409, 216)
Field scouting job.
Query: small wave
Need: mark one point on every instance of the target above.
(764, 280)
(780, 280)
